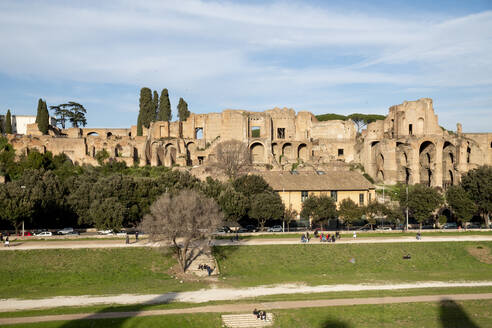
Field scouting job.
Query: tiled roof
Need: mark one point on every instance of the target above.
(313, 181)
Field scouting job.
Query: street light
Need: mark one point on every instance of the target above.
(23, 187)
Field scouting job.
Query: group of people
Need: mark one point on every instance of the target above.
(305, 238)
(6, 242)
(328, 237)
(260, 314)
(206, 267)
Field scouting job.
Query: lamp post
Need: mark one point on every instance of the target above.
(23, 187)
(407, 211)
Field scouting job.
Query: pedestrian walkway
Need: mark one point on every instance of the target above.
(246, 320)
(237, 308)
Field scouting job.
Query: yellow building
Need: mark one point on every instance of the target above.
(295, 187)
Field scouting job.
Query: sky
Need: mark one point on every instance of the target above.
(320, 56)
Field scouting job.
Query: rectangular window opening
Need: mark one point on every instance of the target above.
(304, 195)
(410, 129)
(281, 133)
(361, 199)
(340, 151)
(255, 132)
(200, 160)
(334, 195)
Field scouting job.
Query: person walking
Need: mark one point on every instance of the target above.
(355, 235)
(136, 236)
(7, 241)
(127, 241)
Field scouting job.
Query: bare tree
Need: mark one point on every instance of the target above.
(186, 220)
(232, 156)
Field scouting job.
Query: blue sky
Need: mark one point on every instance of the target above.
(320, 56)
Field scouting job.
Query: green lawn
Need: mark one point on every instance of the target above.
(42, 273)
(468, 314)
(318, 264)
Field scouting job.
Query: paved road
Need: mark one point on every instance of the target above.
(248, 308)
(25, 245)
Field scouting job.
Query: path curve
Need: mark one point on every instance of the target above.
(249, 307)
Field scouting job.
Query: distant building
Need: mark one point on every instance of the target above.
(294, 187)
(20, 122)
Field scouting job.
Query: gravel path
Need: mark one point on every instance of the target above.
(217, 294)
(249, 307)
(20, 245)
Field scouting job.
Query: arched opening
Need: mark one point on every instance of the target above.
(118, 150)
(380, 175)
(286, 152)
(93, 134)
(190, 152)
(468, 154)
(109, 134)
(169, 155)
(427, 156)
(302, 152)
(420, 126)
(198, 133)
(257, 152)
(448, 163)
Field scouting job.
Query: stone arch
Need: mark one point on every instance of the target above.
(287, 151)
(302, 152)
(118, 150)
(427, 158)
(109, 134)
(257, 152)
(190, 152)
(448, 164)
(93, 134)
(170, 153)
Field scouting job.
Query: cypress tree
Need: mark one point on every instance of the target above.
(165, 107)
(139, 126)
(155, 105)
(8, 123)
(44, 117)
(1, 125)
(183, 111)
(40, 106)
(146, 107)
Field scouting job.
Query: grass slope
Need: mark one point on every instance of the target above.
(42, 273)
(413, 315)
(330, 263)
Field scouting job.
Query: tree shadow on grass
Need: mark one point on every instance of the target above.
(452, 315)
(117, 316)
(329, 323)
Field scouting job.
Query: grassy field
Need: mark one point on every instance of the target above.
(318, 264)
(42, 273)
(468, 314)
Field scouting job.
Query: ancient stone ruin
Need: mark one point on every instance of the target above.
(407, 146)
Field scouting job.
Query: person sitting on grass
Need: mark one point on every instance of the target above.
(333, 238)
(323, 238)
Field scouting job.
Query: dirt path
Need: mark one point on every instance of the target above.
(250, 306)
(20, 245)
(217, 294)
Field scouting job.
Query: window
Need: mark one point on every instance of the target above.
(370, 197)
(304, 195)
(410, 129)
(255, 132)
(199, 133)
(468, 153)
(361, 199)
(334, 195)
(281, 133)
(200, 160)
(340, 151)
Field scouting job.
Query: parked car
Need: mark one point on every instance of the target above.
(73, 233)
(224, 229)
(242, 230)
(105, 232)
(450, 225)
(365, 228)
(65, 231)
(44, 234)
(384, 228)
(251, 228)
(474, 225)
(120, 233)
(275, 228)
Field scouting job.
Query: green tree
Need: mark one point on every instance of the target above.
(331, 117)
(349, 212)
(361, 120)
(139, 125)
(165, 107)
(43, 117)
(233, 204)
(71, 111)
(147, 109)
(155, 105)
(107, 213)
(478, 184)
(8, 122)
(289, 216)
(101, 156)
(251, 184)
(461, 204)
(422, 202)
(266, 206)
(16, 204)
(183, 112)
(319, 208)
(373, 211)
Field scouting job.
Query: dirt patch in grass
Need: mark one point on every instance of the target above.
(481, 253)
